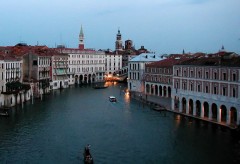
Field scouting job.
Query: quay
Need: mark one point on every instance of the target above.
(166, 103)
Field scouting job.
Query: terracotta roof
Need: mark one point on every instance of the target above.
(214, 61)
(169, 62)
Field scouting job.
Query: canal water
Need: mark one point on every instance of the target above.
(56, 129)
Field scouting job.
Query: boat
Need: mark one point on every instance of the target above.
(5, 114)
(87, 156)
(158, 108)
(112, 99)
(100, 86)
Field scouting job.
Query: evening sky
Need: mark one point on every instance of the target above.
(162, 26)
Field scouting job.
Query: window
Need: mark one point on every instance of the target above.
(207, 75)
(215, 75)
(224, 91)
(177, 85)
(224, 76)
(35, 62)
(233, 92)
(191, 86)
(191, 73)
(177, 72)
(206, 89)
(215, 90)
(234, 77)
(184, 86)
(199, 74)
(199, 88)
(185, 73)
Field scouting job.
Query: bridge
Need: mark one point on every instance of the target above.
(121, 75)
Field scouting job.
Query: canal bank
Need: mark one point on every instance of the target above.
(166, 103)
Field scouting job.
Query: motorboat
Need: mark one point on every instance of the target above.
(158, 108)
(87, 156)
(112, 99)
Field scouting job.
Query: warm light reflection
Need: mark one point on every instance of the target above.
(178, 119)
(126, 95)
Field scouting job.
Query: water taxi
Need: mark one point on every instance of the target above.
(112, 99)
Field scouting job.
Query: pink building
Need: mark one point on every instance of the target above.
(159, 76)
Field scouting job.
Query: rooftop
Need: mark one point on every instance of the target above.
(147, 57)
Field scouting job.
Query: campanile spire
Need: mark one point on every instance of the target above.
(81, 39)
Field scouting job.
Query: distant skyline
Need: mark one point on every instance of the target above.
(162, 26)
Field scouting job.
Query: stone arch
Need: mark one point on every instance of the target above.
(223, 109)
(165, 91)
(198, 108)
(206, 109)
(147, 88)
(156, 89)
(191, 106)
(152, 89)
(184, 102)
(233, 116)
(76, 79)
(214, 111)
(93, 78)
(169, 91)
(160, 90)
(85, 78)
(81, 79)
(89, 78)
(176, 103)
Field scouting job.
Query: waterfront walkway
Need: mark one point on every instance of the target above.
(166, 102)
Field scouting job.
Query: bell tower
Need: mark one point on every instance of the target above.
(81, 40)
(118, 43)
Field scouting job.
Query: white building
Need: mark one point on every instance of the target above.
(59, 71)
(12, 91)
(85, 66)
(113, 63)
(136, 68)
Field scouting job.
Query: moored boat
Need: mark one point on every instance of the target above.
(100, 87)
(5, 114)
(159, 108)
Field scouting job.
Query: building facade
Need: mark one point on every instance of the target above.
(13, 91)
(136, 69)
(158, 76)
(85, 66)
(59, 74)
(208, 88)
